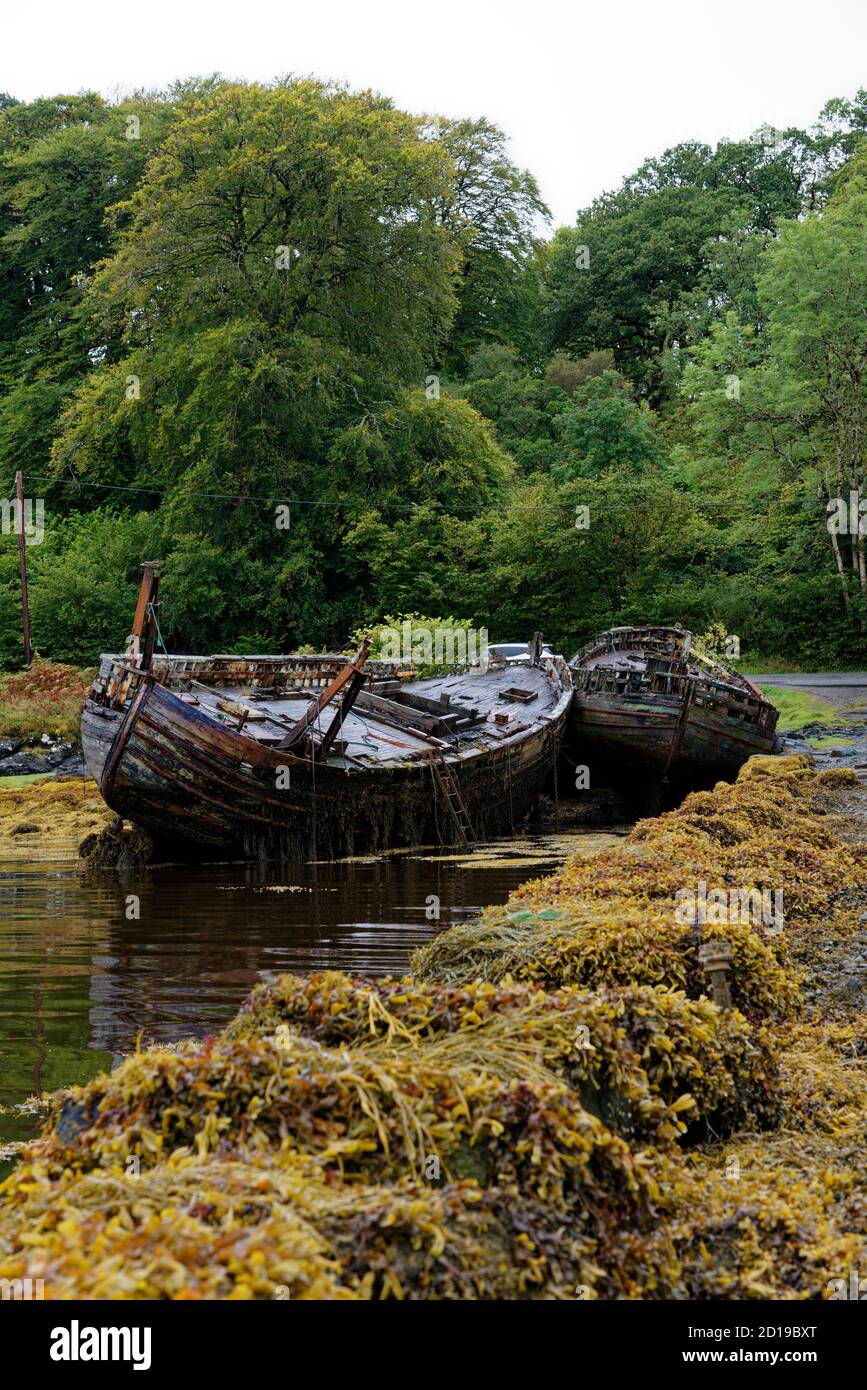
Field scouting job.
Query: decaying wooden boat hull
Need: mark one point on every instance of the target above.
(643, 735)
(646, 705)
(204, 788)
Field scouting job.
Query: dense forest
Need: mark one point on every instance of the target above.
(328, 361)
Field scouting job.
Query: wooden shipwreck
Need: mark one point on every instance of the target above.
(648, 702)
(300, 756)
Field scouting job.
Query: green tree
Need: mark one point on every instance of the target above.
(679, 243)
(573, 558)
(84, 579)
(434, 473)
(791, 405)
(602, 425)
(63, 162)
(495, 212)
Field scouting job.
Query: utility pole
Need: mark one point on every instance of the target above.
(22, 557)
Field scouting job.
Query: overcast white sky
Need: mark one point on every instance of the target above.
(585, 92)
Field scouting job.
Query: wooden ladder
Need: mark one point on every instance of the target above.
(448, 785)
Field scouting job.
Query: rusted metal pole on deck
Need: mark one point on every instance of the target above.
(350, 693)
(22, 560)
(144, 623)
(346, 674)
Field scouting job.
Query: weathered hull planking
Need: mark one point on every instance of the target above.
(645, 703)
(204, 783)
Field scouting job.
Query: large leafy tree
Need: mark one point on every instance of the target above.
(648, 267)
(798, 415)
(284, 243)
(63, 162)
(495, 212)
(282, 275)
(616, 275)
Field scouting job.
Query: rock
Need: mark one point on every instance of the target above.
(73, 1120)
(117, 847)
(25, 827)
(58, 753)
(23, 765)
(795, 746)
(73, 766)
(65, 759)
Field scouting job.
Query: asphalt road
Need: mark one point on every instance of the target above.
(799, 679)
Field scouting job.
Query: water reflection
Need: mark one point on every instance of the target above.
(90, 963)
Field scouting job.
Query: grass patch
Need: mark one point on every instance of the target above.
(25, 780)
(46, 699)
(798, 709)
(829, 741)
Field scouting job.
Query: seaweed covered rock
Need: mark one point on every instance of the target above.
(837, 779)
(370, 1117)
(759, 834)
(791, 768)
(617, 943)
(781, 1216)
(286, 1230)
(60, 810)
(160, 1235)
(117, 846)
(757, 851)
(550, 1107)
(763, 1232)
(648, 1061)
(484, 1187)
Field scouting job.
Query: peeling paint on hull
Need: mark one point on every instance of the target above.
(642, 735)
(646, 703)
(208, 790)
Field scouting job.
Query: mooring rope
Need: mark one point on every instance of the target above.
(151, 608)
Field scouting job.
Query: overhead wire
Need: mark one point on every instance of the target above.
(447, 508)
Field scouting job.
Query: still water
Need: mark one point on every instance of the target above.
(82, 977)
